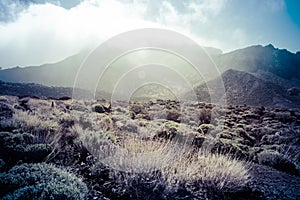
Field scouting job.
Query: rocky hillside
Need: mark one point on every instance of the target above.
(245, 88)
(279, 62)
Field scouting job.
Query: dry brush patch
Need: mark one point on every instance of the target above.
(160, 168)
(215, 172)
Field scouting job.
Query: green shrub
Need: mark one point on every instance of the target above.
(40, 181)
(20, 146)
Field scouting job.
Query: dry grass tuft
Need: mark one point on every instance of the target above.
(216, 172)
(175, 163)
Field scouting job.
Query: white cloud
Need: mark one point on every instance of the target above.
(47, 33)
(199, 12)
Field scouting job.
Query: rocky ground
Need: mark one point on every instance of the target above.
(256, 149)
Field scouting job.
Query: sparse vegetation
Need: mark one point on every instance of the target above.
(144, 150)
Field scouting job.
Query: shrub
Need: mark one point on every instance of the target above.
(174, 115)
(20, 146)
(6, 111)
(101, 171)
(205, 116)
(40, 181)
(278, 161)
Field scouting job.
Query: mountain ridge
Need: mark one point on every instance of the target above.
(280, 62)
(256, 75)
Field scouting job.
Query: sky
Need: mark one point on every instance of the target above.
(34, 32)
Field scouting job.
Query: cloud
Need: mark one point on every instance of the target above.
(199, 12)
(44, 33)
(33, 34)
(47, 32)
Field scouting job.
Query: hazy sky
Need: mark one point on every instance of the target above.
(33, 32)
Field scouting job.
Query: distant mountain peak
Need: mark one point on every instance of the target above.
(270, 46)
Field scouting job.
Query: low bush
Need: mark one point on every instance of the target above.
(40, 181)
(205, 116)
(21, 146)
(6, 111)
(278, 161)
